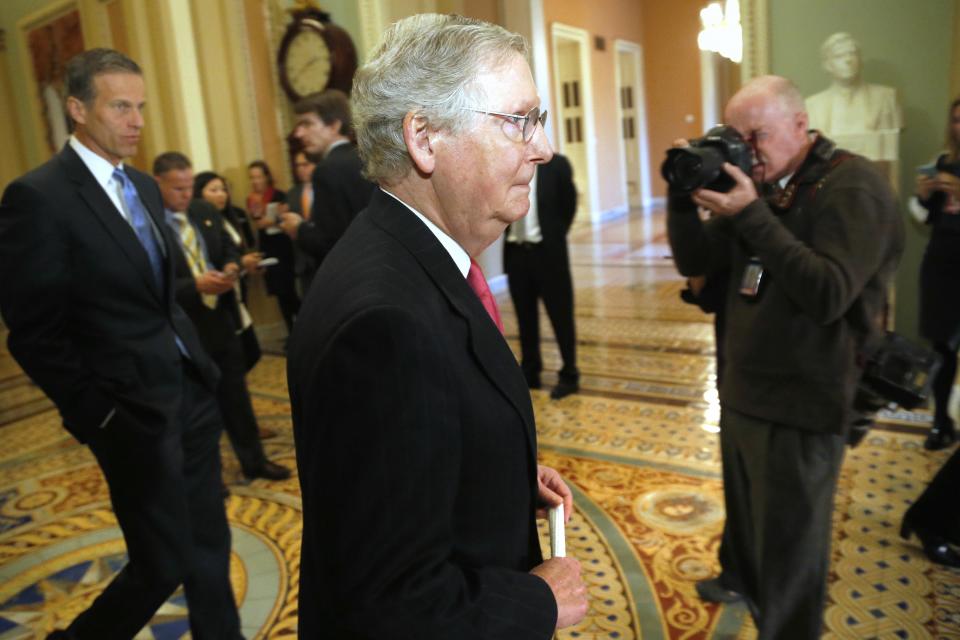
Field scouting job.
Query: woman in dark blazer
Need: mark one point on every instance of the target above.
(274, 243)
(939, 196)
(212, 188)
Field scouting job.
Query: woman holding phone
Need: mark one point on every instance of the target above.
(265, 204)
(937, 204)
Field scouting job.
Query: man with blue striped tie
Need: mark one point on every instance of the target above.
(85, 288)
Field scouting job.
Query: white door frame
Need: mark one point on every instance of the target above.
(560, 31)
(640, 102)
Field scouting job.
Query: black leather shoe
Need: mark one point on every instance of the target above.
(935, 546)
(564, 389)
(269, 471)
(60, 634)
(712, 590)
(941, 436)
(533, 382)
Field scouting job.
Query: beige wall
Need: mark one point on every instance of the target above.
(12, 159)
(672, 74)
(620, 19)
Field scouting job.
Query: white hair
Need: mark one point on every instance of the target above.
(426, 64)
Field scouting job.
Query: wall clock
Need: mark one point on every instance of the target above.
(314, 55)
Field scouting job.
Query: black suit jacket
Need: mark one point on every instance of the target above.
(218, 325)
(416, 449)
(87, 322)
(556, 199)
(340, 192)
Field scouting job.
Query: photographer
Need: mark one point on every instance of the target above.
(809, 268)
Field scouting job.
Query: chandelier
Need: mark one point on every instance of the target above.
(721, 30)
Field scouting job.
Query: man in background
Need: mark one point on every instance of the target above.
(808, 274)
(324, 126)
(206, 268)
(300, 202)
(537, 265)
(86, 289)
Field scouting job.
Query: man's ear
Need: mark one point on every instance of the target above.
(803, 121)
(77, 110)
(416, 135)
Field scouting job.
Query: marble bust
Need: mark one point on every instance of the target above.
(864, 118)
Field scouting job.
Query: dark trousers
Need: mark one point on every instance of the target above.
(943, 382)
(534, 272)
(779, 484)
(289, 303)
(937, 510)
(233, 398)
(165, 490)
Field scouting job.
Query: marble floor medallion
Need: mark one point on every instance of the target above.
(678, 510)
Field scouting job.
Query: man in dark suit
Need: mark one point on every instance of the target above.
(537, 264)
(300, 202)
(86, 288)
(324, 125)
(415, 434)
(206, 268)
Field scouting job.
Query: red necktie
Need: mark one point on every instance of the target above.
(479, 285)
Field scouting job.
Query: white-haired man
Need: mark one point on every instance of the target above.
(808, 276)
(414, 429)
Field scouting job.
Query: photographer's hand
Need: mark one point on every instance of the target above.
(732, 202)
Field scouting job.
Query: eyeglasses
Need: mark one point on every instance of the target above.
(526, 124)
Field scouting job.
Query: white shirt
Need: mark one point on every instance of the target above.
(460, 257)
(102, 171)
(527, 228)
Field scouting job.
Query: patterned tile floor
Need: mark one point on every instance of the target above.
(638, 446)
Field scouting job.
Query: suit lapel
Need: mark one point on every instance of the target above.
(106, 212)
(487, 343)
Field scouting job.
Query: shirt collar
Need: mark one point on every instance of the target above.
(101, 169)
(460, 257)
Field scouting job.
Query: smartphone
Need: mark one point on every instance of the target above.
(273, 212)
(927, 170)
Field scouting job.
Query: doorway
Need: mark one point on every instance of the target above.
(631, 109)
(574, 100)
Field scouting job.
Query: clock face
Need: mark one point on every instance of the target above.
(307, 63)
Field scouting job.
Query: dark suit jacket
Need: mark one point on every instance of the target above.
(340, 192)
(303, 263)
(219, 325)
(556, 200)
(556, 208)
(86, 320)
(416, 449)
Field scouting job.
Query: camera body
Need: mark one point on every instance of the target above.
(701, 164)
(895, 372)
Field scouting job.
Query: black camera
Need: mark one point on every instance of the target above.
(895, 372)
(701, 164)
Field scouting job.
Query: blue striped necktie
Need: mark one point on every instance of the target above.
(140, 220)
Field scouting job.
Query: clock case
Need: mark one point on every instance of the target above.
(343, 55)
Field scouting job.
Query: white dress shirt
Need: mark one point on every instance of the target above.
(460, 257)
(103, 173)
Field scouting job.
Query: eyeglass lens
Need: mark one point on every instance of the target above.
(530, 124)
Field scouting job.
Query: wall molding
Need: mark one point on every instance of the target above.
(561, 31)
(755, 22)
